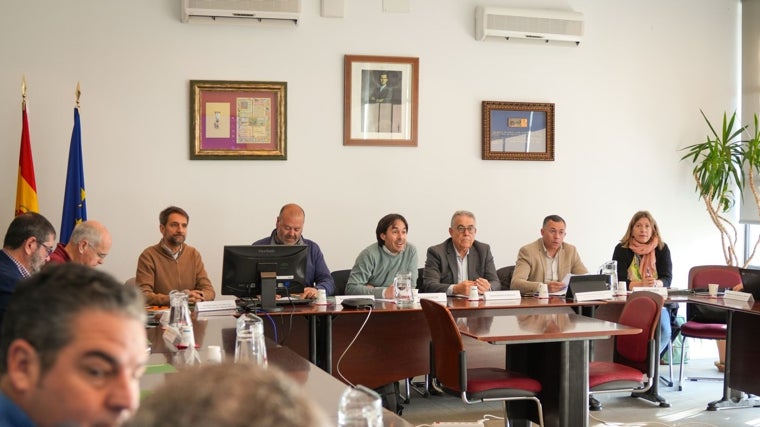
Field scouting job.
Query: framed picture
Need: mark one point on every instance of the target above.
(238, 120)
(380, 100)
(518, 131)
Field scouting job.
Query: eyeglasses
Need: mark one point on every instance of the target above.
(470, 228)
(100, 255)
(48, 249)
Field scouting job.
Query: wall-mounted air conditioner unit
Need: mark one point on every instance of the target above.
(538, 24)
(225, 10)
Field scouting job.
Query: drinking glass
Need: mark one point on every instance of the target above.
(403, 293)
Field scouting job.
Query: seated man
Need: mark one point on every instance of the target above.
(232, 395)
(373, 274)
(377, 265)
(171, 264)
(287, 231)
(547, 260)
(460, 262)
(89, 245)
(27, 246)
(72, 350)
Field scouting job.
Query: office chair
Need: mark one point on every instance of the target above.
(340, 277)
(706, 322)
(635, 356)
(505, 276)
(449, 364)
(131, 282)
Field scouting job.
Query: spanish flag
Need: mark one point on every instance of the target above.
(26, 189)
(74, 199)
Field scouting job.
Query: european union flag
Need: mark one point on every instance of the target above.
(74, 199)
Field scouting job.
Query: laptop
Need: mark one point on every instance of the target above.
(751, 281)
(587, 283)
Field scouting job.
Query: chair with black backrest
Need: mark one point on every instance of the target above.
(505, 276)
(340, 277)
(449, 364)
(635, 357)
(706, 322)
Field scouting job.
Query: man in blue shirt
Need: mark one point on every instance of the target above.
(288, 231)
(72, 350)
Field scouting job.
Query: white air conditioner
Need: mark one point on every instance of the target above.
(223, 10)
(538, 24)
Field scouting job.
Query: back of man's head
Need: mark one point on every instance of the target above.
(232, 395)
(44, 306)
(26, 225)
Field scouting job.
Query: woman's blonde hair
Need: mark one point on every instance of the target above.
(655, 229)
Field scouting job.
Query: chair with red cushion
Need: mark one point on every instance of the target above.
(449, 364)
(707, 322)
(635, 357)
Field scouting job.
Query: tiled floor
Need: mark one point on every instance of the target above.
(687, 406)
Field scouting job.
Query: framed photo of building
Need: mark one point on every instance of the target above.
(238, 120)
(380, 100)
(518, 131)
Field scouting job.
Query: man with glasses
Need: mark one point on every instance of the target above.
(460, 262)
(28, 243)
(89, 245)
(547, 260)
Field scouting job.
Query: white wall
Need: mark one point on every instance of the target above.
(627, 99)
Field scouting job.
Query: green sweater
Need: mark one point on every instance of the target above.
(376, 266)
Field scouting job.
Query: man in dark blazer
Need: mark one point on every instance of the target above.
(27, 245)
(460, 262)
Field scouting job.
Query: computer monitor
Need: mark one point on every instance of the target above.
(263, 270)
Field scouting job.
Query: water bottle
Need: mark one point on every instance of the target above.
(610, 268)
(179, 319)
(360, 407)
(249, 344)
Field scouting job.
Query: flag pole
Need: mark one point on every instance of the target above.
(23, 92)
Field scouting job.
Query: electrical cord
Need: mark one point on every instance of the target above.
(340, 359)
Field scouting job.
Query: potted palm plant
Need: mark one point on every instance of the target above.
(724, 165)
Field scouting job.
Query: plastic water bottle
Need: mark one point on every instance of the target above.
(360, 407)
(180, 319)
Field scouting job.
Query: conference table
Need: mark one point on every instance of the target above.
(387, 344)
(742, 372)
(323, 388)
(551, 345)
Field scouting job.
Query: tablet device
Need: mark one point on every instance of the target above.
(587, 283)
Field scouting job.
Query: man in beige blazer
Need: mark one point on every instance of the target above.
(547, 260)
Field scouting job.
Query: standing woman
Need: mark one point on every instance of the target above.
(643, 259)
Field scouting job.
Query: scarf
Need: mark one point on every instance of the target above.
(647, 263)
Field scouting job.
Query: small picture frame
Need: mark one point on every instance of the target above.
(518, 131)
(380, 100)
(238, 120)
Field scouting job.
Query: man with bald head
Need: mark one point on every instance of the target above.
(88, 245)
(288, 231)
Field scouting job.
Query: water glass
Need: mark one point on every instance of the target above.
(249, 343)
(360, 407)
(403, 293)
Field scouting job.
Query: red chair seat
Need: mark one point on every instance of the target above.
(713, 331)
(606, 372)
(483, 379)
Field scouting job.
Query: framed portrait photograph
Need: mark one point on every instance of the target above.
(518, 131)
(238, 120)
(380, 100)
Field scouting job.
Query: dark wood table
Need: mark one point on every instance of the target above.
(552, 346)
(323, 388)
(742, 373)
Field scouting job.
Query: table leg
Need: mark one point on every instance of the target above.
(741, 363)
